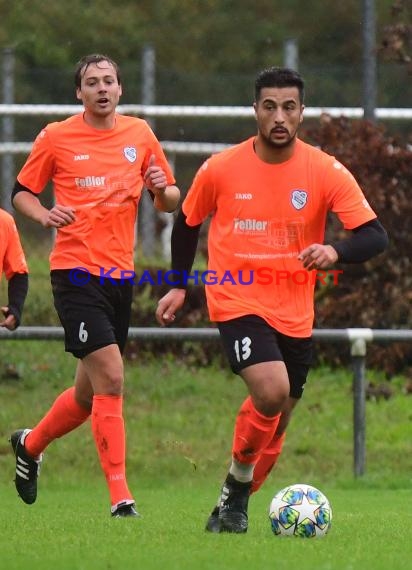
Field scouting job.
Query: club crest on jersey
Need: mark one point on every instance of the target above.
(299, 199)
(130, 153)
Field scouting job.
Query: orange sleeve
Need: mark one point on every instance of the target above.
(14, 260)
(39, 166)
(345, 197)
(200, 201)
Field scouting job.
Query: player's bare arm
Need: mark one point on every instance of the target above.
(57, 217)
(166, 198)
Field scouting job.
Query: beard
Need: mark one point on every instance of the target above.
(270, 143)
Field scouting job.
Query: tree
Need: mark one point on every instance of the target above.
(397, 37)
(376, 294)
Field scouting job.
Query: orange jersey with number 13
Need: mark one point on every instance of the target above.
(262, 216)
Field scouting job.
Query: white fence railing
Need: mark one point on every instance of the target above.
(181, 147)
(154, 111)
(172, 147)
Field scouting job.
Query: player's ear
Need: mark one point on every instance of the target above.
(78, 94)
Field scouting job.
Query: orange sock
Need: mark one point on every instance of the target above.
(64, 416)
(253, 432)
(109, 435)
(267, 461)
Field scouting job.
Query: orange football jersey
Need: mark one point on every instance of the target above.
(262, 216)
(12, 259)
(100, 174)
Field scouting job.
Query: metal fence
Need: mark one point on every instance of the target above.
(358, 338)
(147, 216)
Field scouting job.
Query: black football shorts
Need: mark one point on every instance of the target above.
(250, 340)
(93, 314)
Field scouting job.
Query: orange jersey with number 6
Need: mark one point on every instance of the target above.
(100, 174)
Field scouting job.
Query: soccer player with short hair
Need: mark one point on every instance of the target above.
(13, 264)
(99, 162)
(268, 198)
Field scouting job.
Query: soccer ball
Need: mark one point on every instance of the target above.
(300, 510)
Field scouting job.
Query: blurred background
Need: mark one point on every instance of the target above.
(352, 54)
(188, 52)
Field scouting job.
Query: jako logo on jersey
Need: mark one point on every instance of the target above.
(90, 181)
(239, 196)
(299, 199)
(81, 157)
(130, 153)
(250, 225)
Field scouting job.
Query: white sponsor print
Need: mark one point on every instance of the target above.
(249, 225)
(90, 181)
(81, 157)
(130, 153)
(299, 199)
(275, 238)
(241, 196)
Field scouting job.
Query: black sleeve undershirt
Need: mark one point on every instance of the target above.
(17, 291)
(366, 241)
(184, 244)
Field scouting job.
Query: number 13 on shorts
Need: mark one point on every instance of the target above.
(242, 348)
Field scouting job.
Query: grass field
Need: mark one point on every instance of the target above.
(179, 424)
(69, 529)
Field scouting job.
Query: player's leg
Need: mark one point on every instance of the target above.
(67, 411)
(70, 409)
(297, 353)
(254, 430)
(93, 317)
(271, 453)
(105, 370)
(253, 353)
(65, 415)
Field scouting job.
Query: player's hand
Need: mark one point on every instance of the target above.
(169, 305)
(155, 178)
(9, 322)
(59, 216)
(318, 256)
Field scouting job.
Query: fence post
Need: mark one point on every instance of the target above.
(369, 59)
(291, 53)
(147, 214)
(358, 353)
(7, 162)
(168, 219)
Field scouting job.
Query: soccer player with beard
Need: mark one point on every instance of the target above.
(268, 198)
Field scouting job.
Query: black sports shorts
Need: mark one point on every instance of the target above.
(250, 339)
(94, 314)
